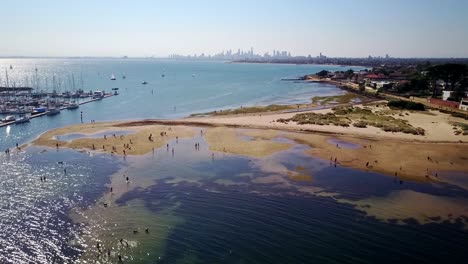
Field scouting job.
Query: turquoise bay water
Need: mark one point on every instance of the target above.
(204, 209)
(187, 87)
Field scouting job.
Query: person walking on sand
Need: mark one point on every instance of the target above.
(167, 147)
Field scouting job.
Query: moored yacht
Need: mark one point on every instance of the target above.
(73, 105)
(22, 119)
(9, 119)
(53, 111)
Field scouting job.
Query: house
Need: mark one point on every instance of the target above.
(446, 95)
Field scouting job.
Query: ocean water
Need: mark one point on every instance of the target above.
(187, 87)
(200, 208)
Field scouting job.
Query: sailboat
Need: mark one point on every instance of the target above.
(112, 77)
(53, 110)
(11, 67)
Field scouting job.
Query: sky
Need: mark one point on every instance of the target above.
(337, 28)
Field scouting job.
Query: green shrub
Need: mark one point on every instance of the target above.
(361, 124)
(400, 104)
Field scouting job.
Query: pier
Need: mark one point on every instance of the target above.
(61, 108)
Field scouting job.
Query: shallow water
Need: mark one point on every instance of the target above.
(71, 137)
(224, 208)
(235, 209)
(343, 144)
(35, 226)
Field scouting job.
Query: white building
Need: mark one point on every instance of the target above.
(463, 104)
(446, 95)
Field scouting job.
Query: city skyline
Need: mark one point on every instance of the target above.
(157, 28)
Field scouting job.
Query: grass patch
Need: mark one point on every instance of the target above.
(249, 110)
(460, 128)
(358, 117)
(454, 114)
(318, 119)
(339, 99)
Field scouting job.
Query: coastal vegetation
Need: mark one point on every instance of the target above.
(248, 110)
(407, 105)
(339, 99)
(318, 100)
(460, 128)
(358, 117)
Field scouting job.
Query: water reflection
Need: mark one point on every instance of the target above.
(193, 207)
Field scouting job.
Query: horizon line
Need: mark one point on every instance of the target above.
(205, 58)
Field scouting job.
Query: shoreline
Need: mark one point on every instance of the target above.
(404, 157)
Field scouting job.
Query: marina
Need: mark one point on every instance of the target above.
(65, 107)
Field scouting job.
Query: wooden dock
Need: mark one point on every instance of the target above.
(63, 108)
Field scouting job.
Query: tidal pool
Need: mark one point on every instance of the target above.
(71, 137)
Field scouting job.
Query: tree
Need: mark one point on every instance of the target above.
(349, 73)
(452, 74)
(322, 73)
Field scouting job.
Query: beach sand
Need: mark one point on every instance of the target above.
(409, 160)
(138, 142)
(437, 125)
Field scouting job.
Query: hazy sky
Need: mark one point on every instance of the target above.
(404, 28)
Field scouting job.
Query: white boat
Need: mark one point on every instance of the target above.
(98, 94)
(72, 106)
(9, 119)
(22, 119)
(112, 77)
(53, 111)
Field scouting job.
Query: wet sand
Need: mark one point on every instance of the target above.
(138, 143)
(421, 161)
